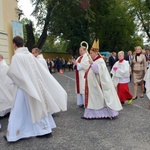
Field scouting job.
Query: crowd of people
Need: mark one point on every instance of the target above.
(138, 64)
(37, 95)
(101, 91)
(94, 86)
(57, 64)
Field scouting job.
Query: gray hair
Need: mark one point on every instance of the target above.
(121, 52)
(37, 50)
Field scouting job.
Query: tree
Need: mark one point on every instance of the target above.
(74, 21)
(113, 25)
(25, 21)
(43, 11)
(141, 11)
(106, 20)
(30, 36)
(53, 44)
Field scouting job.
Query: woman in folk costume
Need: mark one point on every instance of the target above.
(37, 97)
(82, 65)
(101, 100)
(121, 78)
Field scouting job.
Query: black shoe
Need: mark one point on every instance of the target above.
(45, 136)
(81, 106)
(134, 98)
(122, 103)
(84, 118)
(88, 118)
(5, 137)
(5, 116)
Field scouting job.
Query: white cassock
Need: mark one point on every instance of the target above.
(147, 82)
(38, 95)
(42, 60)
(7, 89)
(122, 74)
(82, 66)
(101, 99)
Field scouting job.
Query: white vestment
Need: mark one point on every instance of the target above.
(20, 122)
(38, 95)
(7, 89)
(147, 82)
(101, 99)
(122, 74)
(42, 60)
(82, 66)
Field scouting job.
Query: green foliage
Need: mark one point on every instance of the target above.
(141, 11)
(113, 26)
(111, 21)
(53, 44)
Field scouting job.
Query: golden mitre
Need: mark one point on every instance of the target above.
(95, 46)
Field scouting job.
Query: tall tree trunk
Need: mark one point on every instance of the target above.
(30, 36)
(43, 36)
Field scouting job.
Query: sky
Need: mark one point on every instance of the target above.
(27, 8)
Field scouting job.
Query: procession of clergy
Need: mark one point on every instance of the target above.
(31, 94)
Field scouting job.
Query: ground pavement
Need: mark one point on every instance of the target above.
(130, 131)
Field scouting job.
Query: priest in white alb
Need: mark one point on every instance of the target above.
(39, 56)
(121, 77)
(101, 100)
(38, 95)
(81, 66)
(7, 88)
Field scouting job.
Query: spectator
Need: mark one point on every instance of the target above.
(70, 64)
(139, 68)
(63, 64)
(129, 57)
(49, 64)
(112, 60)
(58, 64)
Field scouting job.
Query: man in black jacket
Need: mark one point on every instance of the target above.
(129, 57)
(112, 59)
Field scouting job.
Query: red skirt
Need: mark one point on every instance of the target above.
(123, 92)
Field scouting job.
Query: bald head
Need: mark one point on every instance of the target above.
(35, 52)
(1, 57)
